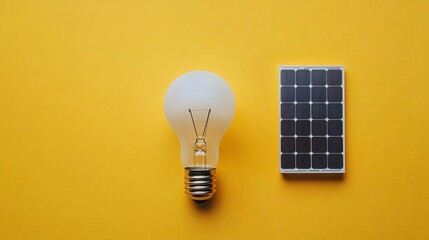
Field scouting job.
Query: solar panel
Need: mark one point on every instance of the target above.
(312, 119)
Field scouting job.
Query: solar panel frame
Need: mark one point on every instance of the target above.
(343, 120)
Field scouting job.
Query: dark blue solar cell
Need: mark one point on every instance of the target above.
(303, 127)
(319, 161)
(288, 94)
(335, 161)
(318, 127)
(335, 128)
(302, 94)
(318, 111)
(288, 144)
(335, 94)
(335, 111)
(303, 144)
(335, 77)
(319, 145)
(288, 127)
(288, 110)
(335, 144)
(318, 77)
(303, 77)
(288, 161)
(303, 111)
(318, 94)
(287, 77)
(303, 161)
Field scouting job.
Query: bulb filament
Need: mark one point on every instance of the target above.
(200, 145)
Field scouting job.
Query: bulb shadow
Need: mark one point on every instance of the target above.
(205, 206)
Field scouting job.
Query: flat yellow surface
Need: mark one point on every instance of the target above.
(86, 152)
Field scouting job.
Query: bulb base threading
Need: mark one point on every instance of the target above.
(200, 184)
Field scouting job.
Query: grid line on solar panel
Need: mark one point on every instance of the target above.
(312, 118)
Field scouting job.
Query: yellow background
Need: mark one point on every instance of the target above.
(86, 152)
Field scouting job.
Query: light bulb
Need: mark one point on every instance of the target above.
(199, 106)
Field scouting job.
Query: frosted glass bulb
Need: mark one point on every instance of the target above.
(199, 106)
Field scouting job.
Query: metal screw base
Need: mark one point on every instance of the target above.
(200, 184)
